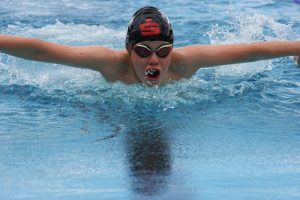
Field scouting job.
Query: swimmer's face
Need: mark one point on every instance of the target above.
(151, 69)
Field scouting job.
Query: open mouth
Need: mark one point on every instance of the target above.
(152, 74)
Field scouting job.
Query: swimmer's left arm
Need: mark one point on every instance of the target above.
(200, 56)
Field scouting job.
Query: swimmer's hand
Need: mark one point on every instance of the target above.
(297, 59)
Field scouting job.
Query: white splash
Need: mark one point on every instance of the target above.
(247, 29)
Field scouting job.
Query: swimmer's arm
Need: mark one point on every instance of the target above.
(92, 57)
(199, 56)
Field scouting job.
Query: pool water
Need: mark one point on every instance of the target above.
(229, 132)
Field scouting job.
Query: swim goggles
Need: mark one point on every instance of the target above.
(144, 51)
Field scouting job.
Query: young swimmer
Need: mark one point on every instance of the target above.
(150, 57)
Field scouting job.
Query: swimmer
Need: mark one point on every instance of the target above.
(150, 57)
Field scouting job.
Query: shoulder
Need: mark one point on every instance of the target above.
(183, 60)
(117, 67)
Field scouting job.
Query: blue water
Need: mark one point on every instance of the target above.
(229, 132)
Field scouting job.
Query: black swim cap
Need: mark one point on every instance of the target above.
(148, 24)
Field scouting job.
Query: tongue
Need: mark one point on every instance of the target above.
(152, 73)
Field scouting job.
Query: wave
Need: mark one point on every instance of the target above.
(195, 93)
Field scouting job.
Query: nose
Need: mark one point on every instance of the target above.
(153, 59)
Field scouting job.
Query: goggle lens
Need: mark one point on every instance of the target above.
(144, 51)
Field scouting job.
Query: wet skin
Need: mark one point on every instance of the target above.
(142, 65)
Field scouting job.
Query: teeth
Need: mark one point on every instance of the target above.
(152, 73)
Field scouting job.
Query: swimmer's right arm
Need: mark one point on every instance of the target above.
(92, 57)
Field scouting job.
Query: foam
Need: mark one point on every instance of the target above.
(247, 29)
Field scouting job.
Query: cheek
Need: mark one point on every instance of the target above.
(138, 65)
(136, 61)
(166, 63)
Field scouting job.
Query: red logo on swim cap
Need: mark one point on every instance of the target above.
(149, 28)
